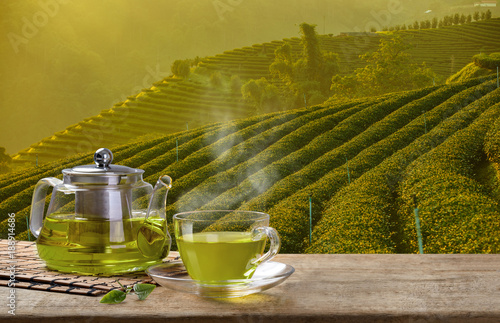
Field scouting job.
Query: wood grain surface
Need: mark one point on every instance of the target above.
(324, 288)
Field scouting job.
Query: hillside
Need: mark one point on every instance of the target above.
(361, 163)
(470, 70)
(173, 104)
(482, 64)
(89, 55)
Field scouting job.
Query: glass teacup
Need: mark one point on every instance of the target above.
(220, 247)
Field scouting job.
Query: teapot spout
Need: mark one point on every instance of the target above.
(158, 200)
(153, 239)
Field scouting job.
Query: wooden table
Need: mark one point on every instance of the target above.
(324, 288)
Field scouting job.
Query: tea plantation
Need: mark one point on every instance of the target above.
(175, 104)
(358, 167)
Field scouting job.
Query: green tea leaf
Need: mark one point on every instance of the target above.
(143, 290)
(114, 297)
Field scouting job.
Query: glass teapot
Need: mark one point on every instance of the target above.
(101, 219)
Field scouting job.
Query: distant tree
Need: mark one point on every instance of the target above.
(434, 22)
(312, 52)
(450, 20)
(195, 61)
(314, 65)
(388, 69)
(302, 85)
(440, 23)
(264, 49)
(397, 27)
(391, 28)
(463, 19)
(310, 73)
(5, 161)
(476, 16)
(447, 21)
(345, 86)
(488, 14)
(181, 68)
(264, 95)
(469, 18)
(216, 79)
(236, 83)
(483, 15)
(373, 29)
(415, 25)
(315, 97)
(456, 19)
(330, 66)
(283, 63)
(252, 90)
(403, 27)
(423, 24)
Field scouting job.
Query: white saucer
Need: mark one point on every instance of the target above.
(173, 275)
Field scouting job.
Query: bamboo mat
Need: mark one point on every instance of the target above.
(30, 272)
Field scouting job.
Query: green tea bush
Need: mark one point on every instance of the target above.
(374, 145)
(20, 224)
(292, 209)
(223, 142)
(318, 159)
(362, 217)
(254, 183)
(491, 61)
(158, 165)
(275, 162)
(166, 144)
(492, 143)
(471, 70)
(253, 155)
(457, 215)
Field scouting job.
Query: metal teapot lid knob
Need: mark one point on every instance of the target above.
(103, 172)
(103, 157)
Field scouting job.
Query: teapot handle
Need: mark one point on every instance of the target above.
(38, 203)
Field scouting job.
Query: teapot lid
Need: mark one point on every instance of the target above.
(103, 172)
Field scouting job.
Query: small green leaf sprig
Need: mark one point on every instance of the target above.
(117, 296)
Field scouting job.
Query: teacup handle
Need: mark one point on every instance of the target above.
(274, 238)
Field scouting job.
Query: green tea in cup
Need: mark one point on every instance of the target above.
(223, 246)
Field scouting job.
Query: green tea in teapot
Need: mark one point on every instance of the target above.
(94, 246)
(102, 219)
